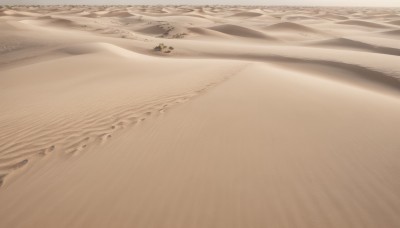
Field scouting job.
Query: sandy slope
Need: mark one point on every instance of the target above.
(260, 117)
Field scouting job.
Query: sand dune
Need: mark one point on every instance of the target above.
(236, 30)
(189, 19)
(396, 22)
(247, 14)
(290, 31)
(290, 26)
(49, 21)
(117, 14)
(20, 13)
(363, 24)
(209, 33)
(152, 30)
(357, 45)
(88, 14)
(255, 117)
(394, 33)
(334, 17)
(13, 155)
(298, 17)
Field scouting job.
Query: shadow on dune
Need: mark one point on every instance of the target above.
(359, 75)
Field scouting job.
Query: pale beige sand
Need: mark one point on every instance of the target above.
(260, 117)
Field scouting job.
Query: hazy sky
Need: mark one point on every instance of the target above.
(393, 3)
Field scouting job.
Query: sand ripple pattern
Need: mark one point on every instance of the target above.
(71, 138)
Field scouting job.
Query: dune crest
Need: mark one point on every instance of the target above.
(236, 30)
(290, 26)
(363, 24)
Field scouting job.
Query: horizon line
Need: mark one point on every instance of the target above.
(268, 5)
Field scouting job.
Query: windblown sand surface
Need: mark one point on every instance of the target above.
(282, 117)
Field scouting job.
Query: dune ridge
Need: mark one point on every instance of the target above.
(396, 22)
(291, 27)
(357, 45)
(362, 23)
(236, 30)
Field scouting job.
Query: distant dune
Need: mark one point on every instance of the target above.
(363, 23)
(290, 26)
(247, 14)
(236, 30)
(396, 22)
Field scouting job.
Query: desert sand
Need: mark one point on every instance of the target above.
(281, 117)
